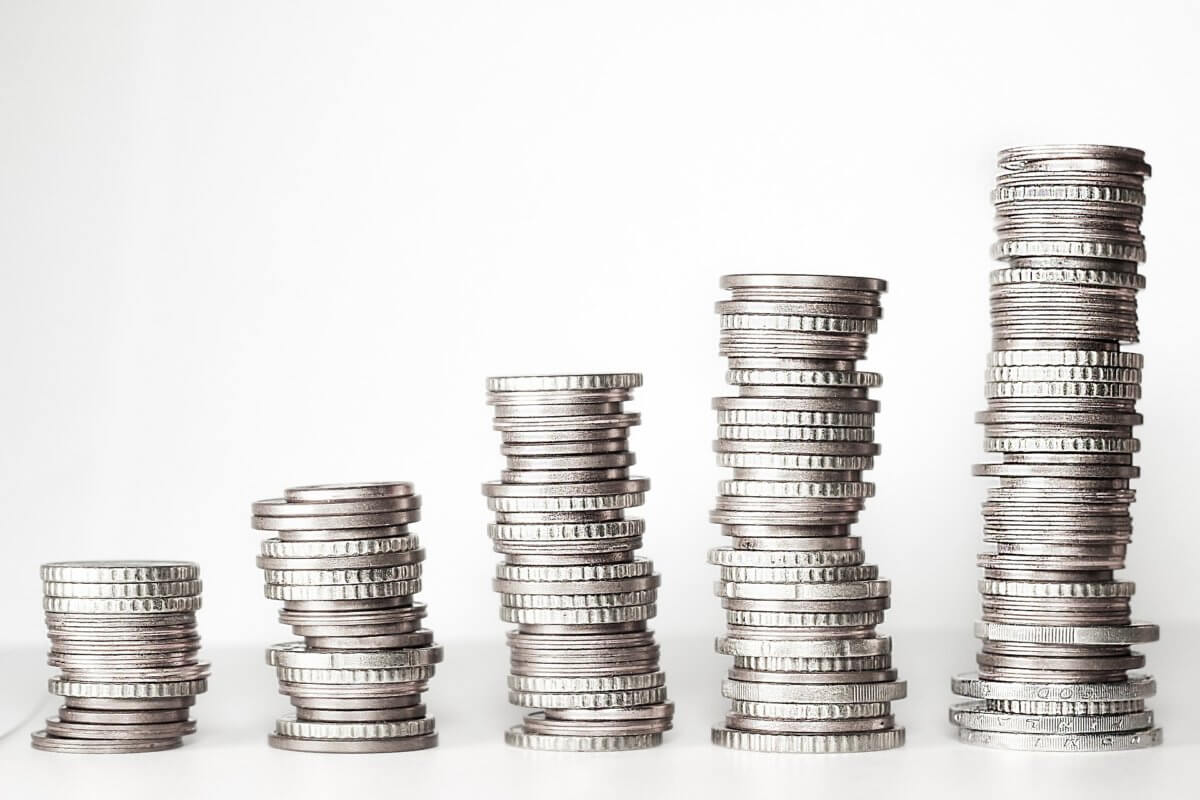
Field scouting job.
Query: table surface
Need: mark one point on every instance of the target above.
(229, 753)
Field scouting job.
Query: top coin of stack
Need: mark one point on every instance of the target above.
(1056, 627)
(123, 634)
(570, 579)
(346, 568)
(810, 674)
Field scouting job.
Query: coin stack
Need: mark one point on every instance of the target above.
(123, 634)
(810, 673)
(1056, 628)
(346, 568)
(570, 579)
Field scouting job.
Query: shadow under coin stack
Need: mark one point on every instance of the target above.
(123, 634)
(570, 579)
(346, 568)
(810, 673)
(1061, 394)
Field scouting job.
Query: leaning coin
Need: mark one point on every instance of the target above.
(354, 677)
(977, 717)
(280, 507)
(392, 540)
(146, 717)
(140, 690)
(539, 723)
(1137, 686)
(544, 700)
(517, 737)
(322, 493)
(742, 722)
(119, 732)
(1135, 633)
(342, 522)
(883, 692)
(298, 655)
(361, 714)
(643, 712)
(809, 711)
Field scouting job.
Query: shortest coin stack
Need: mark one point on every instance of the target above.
(123, 635)
(346, 568)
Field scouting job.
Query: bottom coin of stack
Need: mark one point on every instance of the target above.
(123, 635)
(346, 568)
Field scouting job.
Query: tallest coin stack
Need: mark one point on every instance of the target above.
(1056, 625)
(810, 674)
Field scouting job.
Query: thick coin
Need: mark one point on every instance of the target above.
(977, 717)
(54, 744)
(808, 743)
(881, 692)
(1062, 743)
(517, 737)
(1137, 687)
(294, 728)
(119, 732)
(119, 571)
(144, 717)
(298, 655)
(332, 492)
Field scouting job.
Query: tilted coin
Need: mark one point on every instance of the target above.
(977, 717)
(517, 737)
(321, 493)
(297, 654)
(394, 729)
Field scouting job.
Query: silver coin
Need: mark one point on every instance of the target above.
(977, 717)
(119, 571)
(517, 737)
(398, 745)
(328, 492)
(361, 714)
(141, 717)
(293, 728)
(808, 743)
(54, 744)
(1062, 743)
(119, 732)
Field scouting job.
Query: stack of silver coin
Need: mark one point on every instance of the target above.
(347, 568)
(1056, 628)
(123, 634)
(810, 673)
(570, 579)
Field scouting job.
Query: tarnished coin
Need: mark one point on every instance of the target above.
(55, 744)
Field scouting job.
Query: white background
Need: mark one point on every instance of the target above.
(246, 245)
